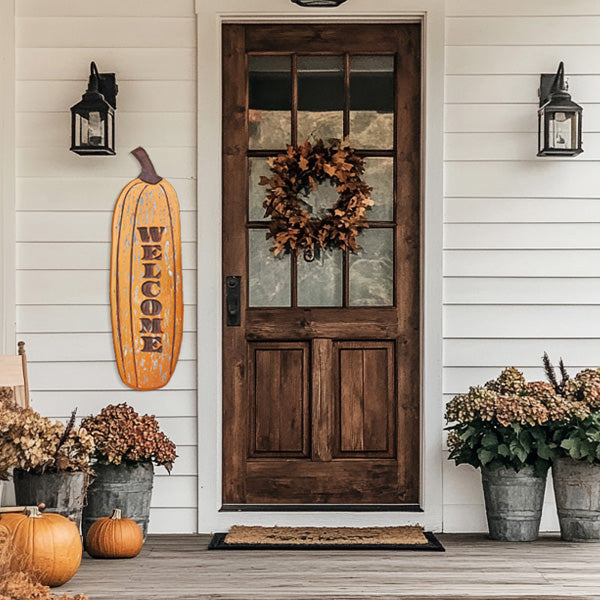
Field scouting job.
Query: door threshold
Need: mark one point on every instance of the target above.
(321, 508)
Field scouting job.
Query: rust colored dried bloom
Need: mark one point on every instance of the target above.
(588, 382)
(7, 394)
(510, 381)
(454, 441)
(479, 403)
(539, 389)
(525, 410)
(122, 435)
(527, 406)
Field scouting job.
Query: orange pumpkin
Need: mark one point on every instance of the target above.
(114, 537)
(47, 545)
(146, 294)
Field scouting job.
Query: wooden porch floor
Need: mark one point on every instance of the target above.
(178, 567)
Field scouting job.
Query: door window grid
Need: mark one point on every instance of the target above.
(345, 293)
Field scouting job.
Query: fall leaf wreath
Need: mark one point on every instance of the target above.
(296, 174)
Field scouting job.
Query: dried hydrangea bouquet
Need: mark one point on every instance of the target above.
(128, 446)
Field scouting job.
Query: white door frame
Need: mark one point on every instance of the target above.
(211, 14)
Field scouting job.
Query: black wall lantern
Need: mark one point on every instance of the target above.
(93, 119)
(325, 3)
(559, 118)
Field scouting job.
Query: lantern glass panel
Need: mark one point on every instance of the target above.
(95, 134)
(562, 131)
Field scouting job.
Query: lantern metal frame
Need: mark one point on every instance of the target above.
(554, 98)
(100, 97)
(319, 3)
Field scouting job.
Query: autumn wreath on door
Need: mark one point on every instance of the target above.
(299, 172)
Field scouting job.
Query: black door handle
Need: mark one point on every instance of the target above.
(233, 284)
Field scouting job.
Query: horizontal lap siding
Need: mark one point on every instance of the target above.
(521, 234)
(65, 204)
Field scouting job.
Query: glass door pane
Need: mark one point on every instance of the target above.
(270, 101)
(321, 97)
(372, 269)
(269, 277)
(372, 102)
(320, 282)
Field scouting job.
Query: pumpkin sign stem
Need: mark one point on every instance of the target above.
(148, 174)
(116, 515)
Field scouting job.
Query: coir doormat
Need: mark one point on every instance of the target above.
(326, 538)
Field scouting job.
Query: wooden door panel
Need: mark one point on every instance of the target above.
(327, 39)
(279, 400)
(365, 481)
(325, 323)
(365, 380)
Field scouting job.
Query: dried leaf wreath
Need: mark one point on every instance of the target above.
(298, 172)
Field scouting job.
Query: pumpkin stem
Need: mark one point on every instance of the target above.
(148, 173)
(33, 512)
(116, 514)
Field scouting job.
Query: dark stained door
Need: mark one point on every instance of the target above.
(321, 378)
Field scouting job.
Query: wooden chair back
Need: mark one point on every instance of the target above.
(13, 374)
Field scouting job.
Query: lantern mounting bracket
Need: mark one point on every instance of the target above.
(108, 87)
(546, 83)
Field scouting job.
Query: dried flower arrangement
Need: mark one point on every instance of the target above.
(513, 423)
(575, 422)
(20, 585)
(502, 424)
(123, 436)
(6, 394)
(38, 444)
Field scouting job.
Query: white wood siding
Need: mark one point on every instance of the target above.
(521, 234)
(65, 203)
(7, 179)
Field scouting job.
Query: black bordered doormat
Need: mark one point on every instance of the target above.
(326, 538)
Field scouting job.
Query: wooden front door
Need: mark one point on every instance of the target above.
(321, 359)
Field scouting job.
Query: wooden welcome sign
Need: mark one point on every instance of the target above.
(146, 295)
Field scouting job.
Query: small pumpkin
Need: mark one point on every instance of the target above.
(47, 545)
(114, 537)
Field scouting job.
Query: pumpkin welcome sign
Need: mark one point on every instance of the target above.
(146, 295)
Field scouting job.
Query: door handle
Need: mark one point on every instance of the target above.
(233, 285)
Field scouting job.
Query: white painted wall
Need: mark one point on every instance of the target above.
(64, 207)
(521, 234)
(521, 252)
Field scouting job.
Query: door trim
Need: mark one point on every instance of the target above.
(212, 14)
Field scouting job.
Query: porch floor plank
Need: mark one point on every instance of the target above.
(179, 567)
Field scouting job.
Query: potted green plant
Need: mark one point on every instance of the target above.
(575, 435)
(500, 428)
(50, 460)
(127, 448)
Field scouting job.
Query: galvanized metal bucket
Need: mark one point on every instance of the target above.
(61, 492)
(120, 486)
(513, 503)
(577, 492)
